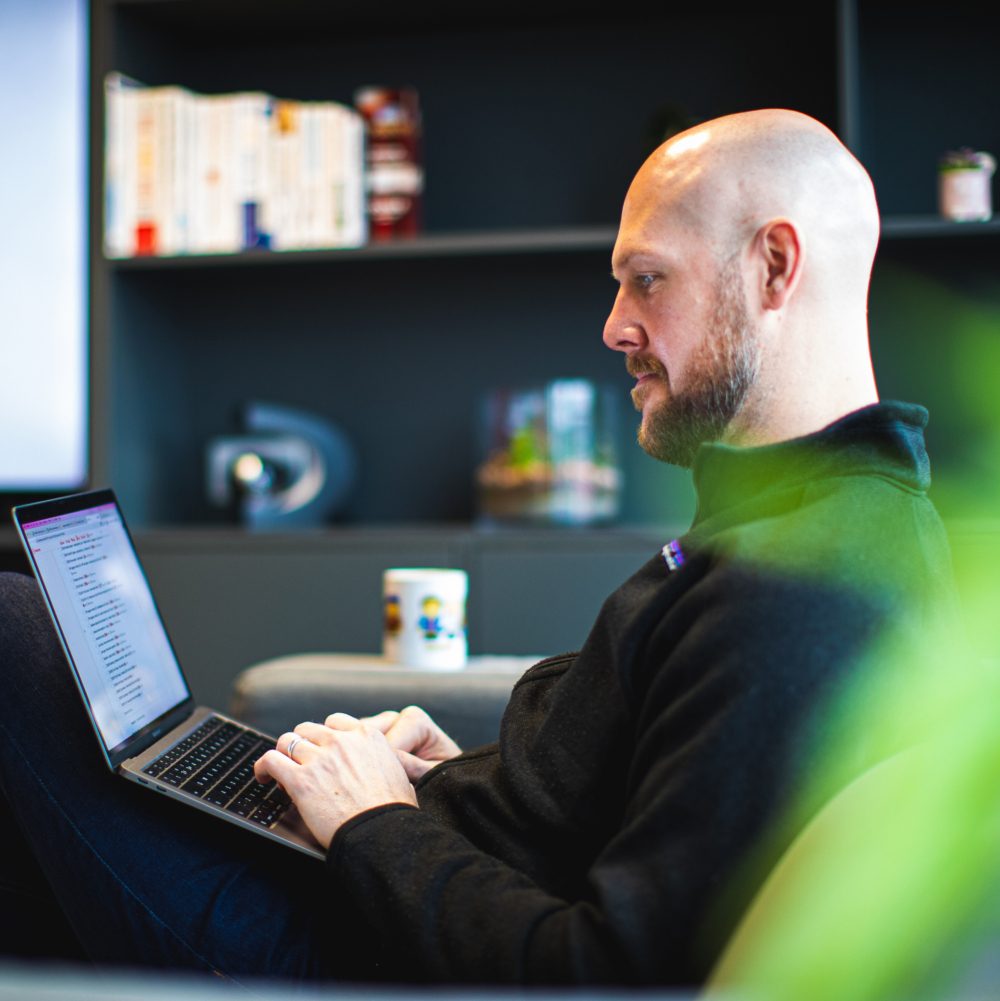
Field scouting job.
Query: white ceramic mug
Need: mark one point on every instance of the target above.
(423, 617)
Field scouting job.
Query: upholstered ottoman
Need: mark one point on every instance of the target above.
(276, 694)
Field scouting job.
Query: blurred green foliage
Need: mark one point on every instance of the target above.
(897, 895)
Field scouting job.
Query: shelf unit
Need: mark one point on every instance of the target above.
(399, 344)
(536, 117)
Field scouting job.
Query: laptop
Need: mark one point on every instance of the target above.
(147, 723)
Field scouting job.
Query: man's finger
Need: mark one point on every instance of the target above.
(382, 721)
(414, 766)
(413, 728)
(342, 721)
(315, 733)
(273, 765)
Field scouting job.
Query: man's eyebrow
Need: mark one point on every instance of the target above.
(621, 264)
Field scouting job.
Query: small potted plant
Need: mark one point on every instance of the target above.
(964, 185)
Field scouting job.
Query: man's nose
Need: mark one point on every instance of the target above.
(621, 332)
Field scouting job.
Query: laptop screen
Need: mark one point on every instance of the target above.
(110, 626)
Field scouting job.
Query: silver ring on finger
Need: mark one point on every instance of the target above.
(293, 743)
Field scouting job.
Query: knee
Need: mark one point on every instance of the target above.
(24, 620)
(19, 594)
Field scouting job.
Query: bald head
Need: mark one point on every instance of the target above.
(726, 178)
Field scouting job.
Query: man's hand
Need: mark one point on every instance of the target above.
(419, 742)
(336, 772)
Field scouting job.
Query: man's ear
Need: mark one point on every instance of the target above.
(780, 250)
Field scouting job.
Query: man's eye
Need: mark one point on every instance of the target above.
(645, 281)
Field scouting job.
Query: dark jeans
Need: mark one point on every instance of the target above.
(130, 877)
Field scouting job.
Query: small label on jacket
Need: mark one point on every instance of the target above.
(673, 555)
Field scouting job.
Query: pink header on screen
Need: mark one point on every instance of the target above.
(68, 514)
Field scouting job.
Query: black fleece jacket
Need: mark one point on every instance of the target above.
(632, 779)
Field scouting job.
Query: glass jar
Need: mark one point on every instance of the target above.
(549, 455)
(965, 185)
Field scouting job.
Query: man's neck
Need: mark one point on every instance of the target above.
(768, 418)
(814, 369)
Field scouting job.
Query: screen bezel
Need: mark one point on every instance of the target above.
(25, 514)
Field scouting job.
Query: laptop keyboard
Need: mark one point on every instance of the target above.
(215, 763)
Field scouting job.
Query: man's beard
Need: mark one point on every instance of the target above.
(722, 371)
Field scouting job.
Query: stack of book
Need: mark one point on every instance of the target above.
(189, 173)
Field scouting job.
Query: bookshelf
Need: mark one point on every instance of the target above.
(526, 171)
(535, 118)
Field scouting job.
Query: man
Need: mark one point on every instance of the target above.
(633, 779)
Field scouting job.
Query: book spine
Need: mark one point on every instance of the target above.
(356, 219)
(231, 237)
(216, 219)
(252, 111)
(331, 221)
(285, 160)
(165, 151)
(338, 181)
(145, 236)
(115, 225)
(198, 211)
(196, 198)
(304, 206)
(181, 156)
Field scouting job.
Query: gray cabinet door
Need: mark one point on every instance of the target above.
(230, 605)
(541, 595)
(231, 600)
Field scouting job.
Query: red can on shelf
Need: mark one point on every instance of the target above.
(394, 160)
